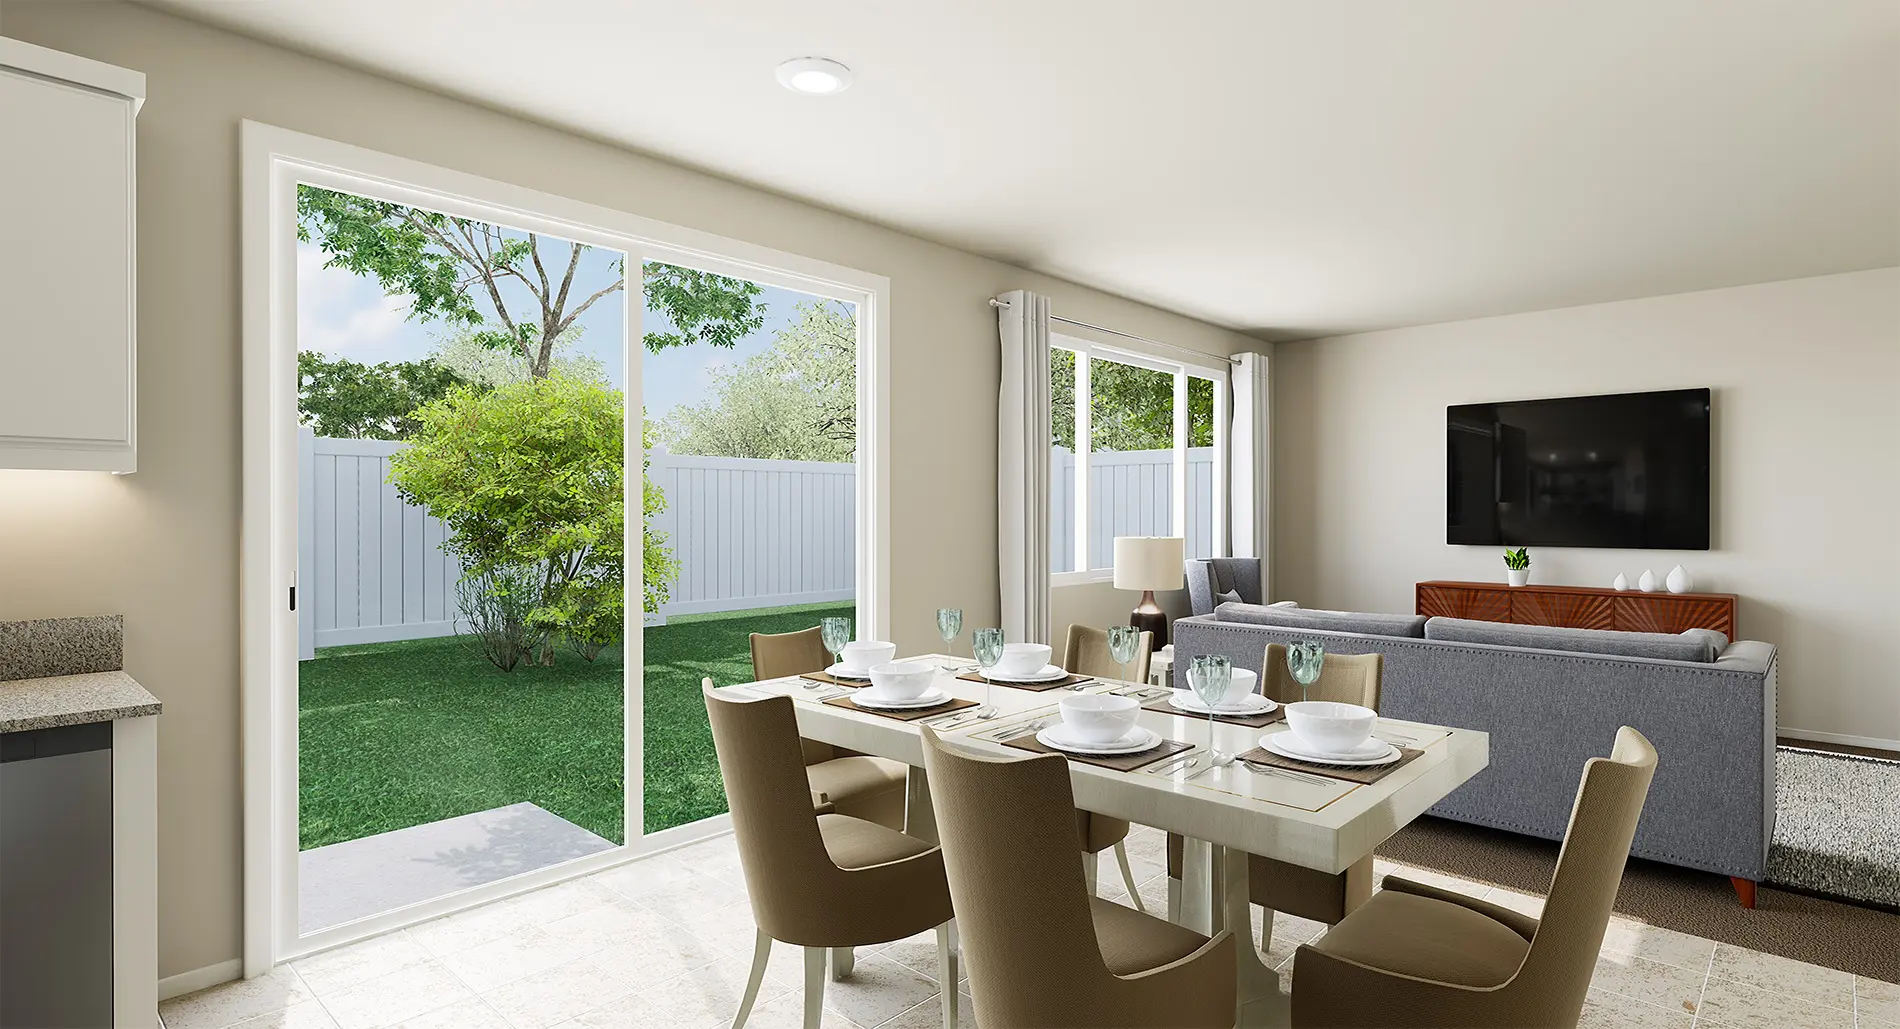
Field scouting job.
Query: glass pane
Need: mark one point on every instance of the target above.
(1131, 463)
(1062, 460)
(1200, 468)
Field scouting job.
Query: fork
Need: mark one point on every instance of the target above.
(1286, 773)
(1020, 731)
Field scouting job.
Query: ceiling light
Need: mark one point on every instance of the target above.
(815, 75)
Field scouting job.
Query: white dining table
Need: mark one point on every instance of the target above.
(1225, 813)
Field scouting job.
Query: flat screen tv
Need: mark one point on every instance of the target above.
(1630, 471)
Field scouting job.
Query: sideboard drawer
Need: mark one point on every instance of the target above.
(1485, 605)
(1650, 612)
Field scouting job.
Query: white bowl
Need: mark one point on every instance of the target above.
(1098, 718)
(1328, 727)
(1023, 659)
(902, 680)
(860, 655)
(1238, 687)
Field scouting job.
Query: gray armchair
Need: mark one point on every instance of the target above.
(1208, 579)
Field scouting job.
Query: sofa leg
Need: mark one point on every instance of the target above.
(1745, 890)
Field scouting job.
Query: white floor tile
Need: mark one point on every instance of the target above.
(397, 997)
(308, 1015)
(546, 998)
(515, 956)
(347, 966)
(468, 1013)
(229, 1003)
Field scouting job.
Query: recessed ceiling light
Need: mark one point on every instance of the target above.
(815, 75)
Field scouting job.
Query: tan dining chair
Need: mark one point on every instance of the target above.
(1086, 653)
(1419, 956)
(1280, 885)
(818, 881)
(1042, 950)
(871, 788)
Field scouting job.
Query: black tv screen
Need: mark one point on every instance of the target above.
(1629, 471)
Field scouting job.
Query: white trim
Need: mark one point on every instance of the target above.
(1083, 578)
(199, 979)
(273, 161)
(135, 872)
(1842, 739)
(80, 71)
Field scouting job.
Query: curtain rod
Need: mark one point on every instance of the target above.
(1127, 335)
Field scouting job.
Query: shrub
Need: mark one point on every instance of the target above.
(499, 604)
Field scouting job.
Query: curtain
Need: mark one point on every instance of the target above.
(1250, 493)
(1022, 466)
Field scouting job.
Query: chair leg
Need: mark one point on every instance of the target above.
(947, 974)
(1091, 869)
(814, 986)
(761, 953)
(843, 960)
(1174, 899)
(1128, 875)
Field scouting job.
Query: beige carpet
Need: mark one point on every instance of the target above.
(1861, 940)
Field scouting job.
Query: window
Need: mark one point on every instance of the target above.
(1149, 467)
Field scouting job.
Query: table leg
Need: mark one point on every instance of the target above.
(1197, 885)
(920, 819)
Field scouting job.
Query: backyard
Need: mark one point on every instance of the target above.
(401, 734)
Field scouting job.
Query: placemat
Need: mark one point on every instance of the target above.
(834, 680)
(1259, 721)
(1033, 687)
(907, 715)
(1119, 762)
(1362, 776)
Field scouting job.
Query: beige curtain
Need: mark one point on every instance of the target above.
(1022, 466)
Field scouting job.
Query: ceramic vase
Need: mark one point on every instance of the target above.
(1518, 576)
(1622, 582)
(1648, 582)
(1679, 581)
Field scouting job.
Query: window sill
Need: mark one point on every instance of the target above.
(1057, 580)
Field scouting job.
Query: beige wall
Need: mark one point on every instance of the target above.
(161, 546)
(1806, 379)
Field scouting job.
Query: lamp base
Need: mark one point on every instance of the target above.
(1148, 617)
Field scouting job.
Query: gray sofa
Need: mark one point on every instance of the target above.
(1550, 705)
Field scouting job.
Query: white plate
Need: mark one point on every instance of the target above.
(1366, 757)
(1049, 673)
(839, 671)
(1137, 740)
(1251, 704)
(868, 697)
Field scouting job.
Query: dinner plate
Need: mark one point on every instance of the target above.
(839, 671)
(1049, 673)
(868, 697)
(1251, 704)
(1137, 740)
(1374, 753)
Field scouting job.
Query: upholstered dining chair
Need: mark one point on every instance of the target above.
(871, 788)
(1419, 956)
(1087, 654)
(1042, 950)
(818, 881)
(1279, 885)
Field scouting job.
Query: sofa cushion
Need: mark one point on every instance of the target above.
(1369, 623)
(1698, 648)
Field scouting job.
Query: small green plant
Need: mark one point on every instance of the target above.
(1517, 560)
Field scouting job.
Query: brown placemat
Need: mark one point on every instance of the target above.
(1362, 776)
(834, 680)
(1033, 687)
(906, 715)
(1119, 762)
(1259, 721)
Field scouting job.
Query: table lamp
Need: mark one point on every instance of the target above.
(1150, 563)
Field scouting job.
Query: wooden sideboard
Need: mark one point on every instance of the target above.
(1579, 607)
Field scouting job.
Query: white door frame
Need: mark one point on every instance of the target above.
(273, 161)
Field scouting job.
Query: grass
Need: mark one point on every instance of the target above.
(399, 734)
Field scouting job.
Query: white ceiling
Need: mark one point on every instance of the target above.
(1291, 168)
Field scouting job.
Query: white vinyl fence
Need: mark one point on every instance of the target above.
(1131, 493)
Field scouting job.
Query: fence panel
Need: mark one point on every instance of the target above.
(1131, 493)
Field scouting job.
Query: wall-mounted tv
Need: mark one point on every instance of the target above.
(1630, 471)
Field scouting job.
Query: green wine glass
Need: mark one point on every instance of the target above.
(987, 646)
(1123, 643)
(949, 627)
(1304, 660)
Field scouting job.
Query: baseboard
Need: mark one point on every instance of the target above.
(199, 978)
(1844, 740)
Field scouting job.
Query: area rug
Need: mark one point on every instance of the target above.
(1837, 825)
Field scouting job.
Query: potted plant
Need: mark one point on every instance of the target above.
(1518, 565)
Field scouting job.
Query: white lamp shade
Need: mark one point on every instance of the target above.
(1149, 562)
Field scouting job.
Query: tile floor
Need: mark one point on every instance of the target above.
(666, 941)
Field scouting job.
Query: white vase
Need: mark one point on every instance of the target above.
(1648, 582)
(1622, 582)
(1518, 576)
(1679, 581)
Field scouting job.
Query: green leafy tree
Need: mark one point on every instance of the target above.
(794, 402)
(346, 399)
(1130, 408)
(461, 351)
(529, 475)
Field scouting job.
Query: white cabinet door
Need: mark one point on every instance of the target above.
(67, 382)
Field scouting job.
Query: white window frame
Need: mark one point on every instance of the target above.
(273, 162)
(1214, 370)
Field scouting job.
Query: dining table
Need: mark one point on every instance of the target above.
(1225, 812)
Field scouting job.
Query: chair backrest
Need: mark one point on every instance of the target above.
(775, 655)
(1344, 678)
(1087, 654)
(772, 821)
(1208, 579)
(1556, 973)
(1021, 902)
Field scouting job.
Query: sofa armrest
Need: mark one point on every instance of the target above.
(1746, 656)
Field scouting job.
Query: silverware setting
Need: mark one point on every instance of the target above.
(1395, 739)
(1287, 773)
(1075, 686)
(950, 721)
(1184, 760)
(1200, 772)
(1019, 731)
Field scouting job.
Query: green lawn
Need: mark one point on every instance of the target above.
(398, 734)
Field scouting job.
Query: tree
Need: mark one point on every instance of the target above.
(462, 351)
(1130, 408)
(341, 398)
(794, 402)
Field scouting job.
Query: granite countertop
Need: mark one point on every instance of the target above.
(72, 700)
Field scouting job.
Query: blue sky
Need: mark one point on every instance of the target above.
(343, 315)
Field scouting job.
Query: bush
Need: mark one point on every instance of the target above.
(499, 606)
